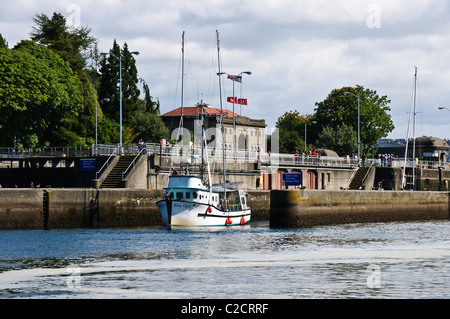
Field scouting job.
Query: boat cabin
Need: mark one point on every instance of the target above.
(191, 188)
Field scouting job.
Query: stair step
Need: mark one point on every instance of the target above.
(115, 176)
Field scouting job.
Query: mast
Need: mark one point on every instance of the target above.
(414, 132)
(180, 127)
(414, 135)
(221, 120)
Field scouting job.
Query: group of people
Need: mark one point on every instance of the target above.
(386, 159)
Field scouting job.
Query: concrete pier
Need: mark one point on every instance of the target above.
(78, 208)
(93, 208)
(97, 208)
(306, 208)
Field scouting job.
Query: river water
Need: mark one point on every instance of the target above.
(383, 260)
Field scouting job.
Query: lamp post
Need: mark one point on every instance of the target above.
(96, 122)
(312, 122)
(120, 89)
(359, 121)
(359, 128)
(234, 119)
(444, 108)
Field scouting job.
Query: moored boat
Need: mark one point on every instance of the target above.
(188, 202)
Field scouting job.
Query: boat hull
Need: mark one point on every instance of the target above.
(184, 213)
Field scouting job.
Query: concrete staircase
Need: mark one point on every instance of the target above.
(114, 178)
(357, 180)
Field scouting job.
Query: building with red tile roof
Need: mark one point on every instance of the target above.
(250, 133)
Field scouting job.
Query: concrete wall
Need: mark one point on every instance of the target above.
(138, 176)
(21, 209)
(305, 208)
(88, 208)
(78, 208)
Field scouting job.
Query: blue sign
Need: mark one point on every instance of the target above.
(88, 164)
(292, 179)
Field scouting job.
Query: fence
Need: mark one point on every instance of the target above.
(182, 152)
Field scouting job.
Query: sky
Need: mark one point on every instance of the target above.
(298, 51)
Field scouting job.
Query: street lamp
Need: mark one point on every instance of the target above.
(234, 120)
(359, 121)
(120, 88)
(96, 111)
(444, 108)
(312, 122)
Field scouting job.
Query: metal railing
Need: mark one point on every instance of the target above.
(215, 154)
(114, 153)
(132, 164)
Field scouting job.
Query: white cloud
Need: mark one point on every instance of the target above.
(297, 51)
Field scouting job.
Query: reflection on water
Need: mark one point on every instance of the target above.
(392, 260)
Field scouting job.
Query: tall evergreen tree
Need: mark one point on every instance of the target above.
(151, 106)
(3, 43)
(110, 84)
(71, 43)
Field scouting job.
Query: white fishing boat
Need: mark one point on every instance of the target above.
(189, 201)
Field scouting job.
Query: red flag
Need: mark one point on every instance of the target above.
(236, 100)
(242, 101)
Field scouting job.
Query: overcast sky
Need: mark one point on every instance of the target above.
(297, 50)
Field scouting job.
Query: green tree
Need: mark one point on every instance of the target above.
(146, 122)
(39, 94)
(341, 107)
(3, 43)
(150, 106)
(292, 131)
(342, 140)
(72, 44)
(110, 80)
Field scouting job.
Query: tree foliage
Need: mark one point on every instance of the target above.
(110, 83)
(71, 43)
(343, 139)
(39, 94)
(292, 131)
(341, 108)
(3, 43)
(146, 121)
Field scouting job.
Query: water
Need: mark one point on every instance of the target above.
(392, 260)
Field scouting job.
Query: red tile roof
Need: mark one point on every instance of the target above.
(193, 111)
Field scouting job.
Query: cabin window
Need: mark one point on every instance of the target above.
(194, 195)
(171, 195)
(179, 195)
(188, 195)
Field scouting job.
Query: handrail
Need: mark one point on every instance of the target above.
(367, 174)
(9, 153)
(132, 163)
(107, 162)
